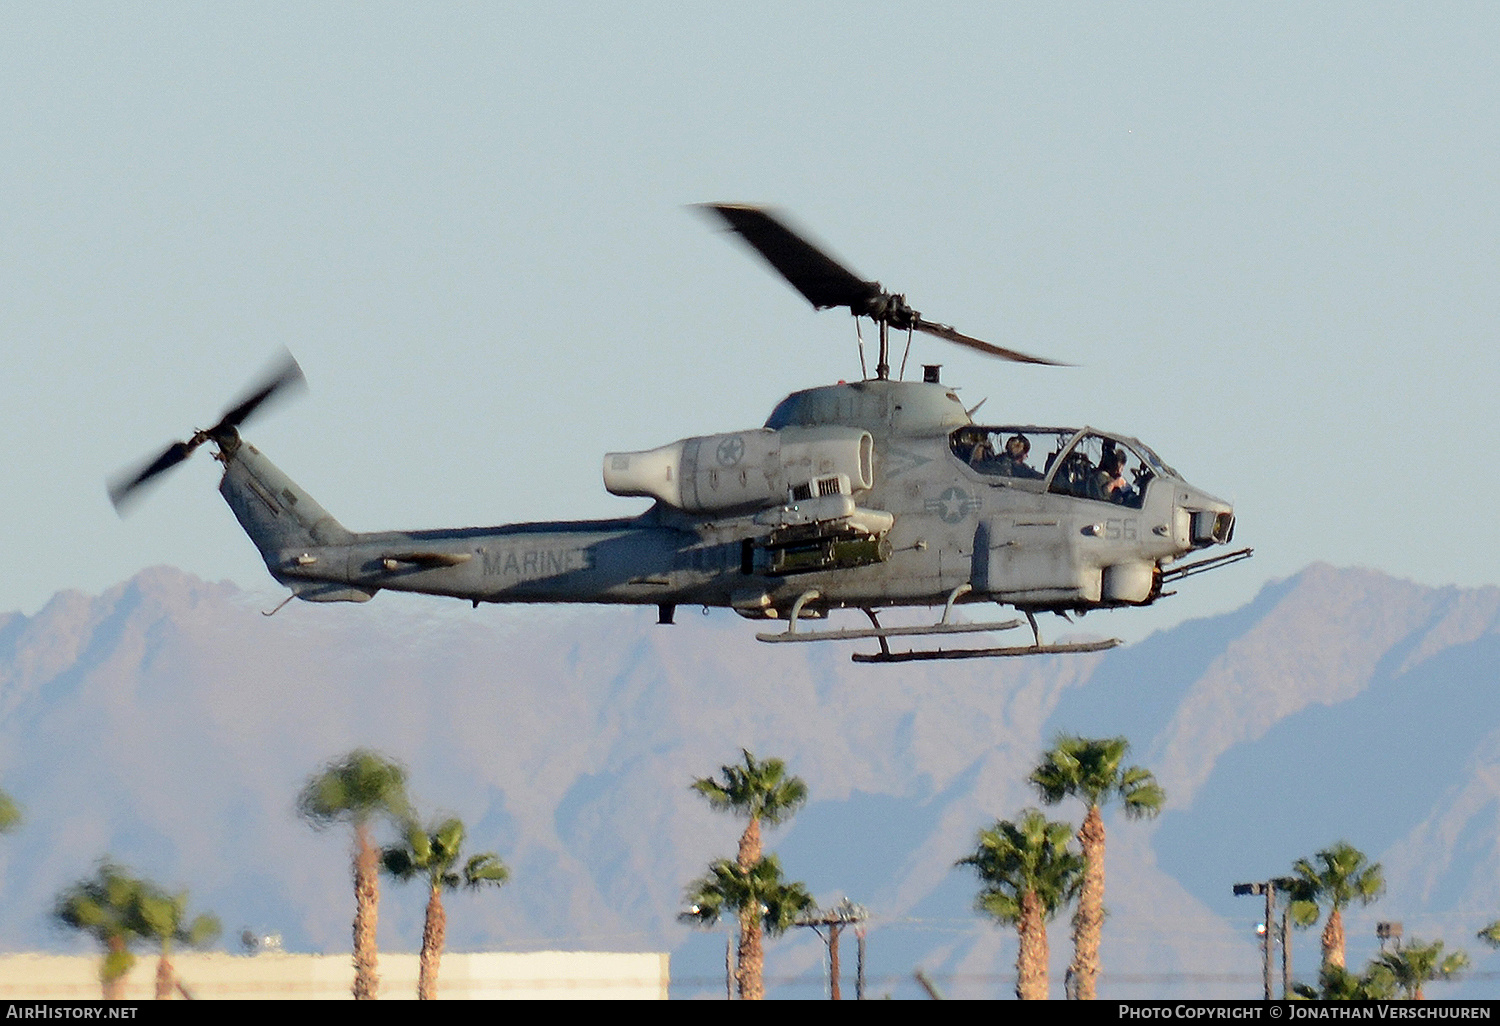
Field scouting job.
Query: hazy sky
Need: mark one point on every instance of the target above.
(1267, 234)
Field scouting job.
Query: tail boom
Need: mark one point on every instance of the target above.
(306, 549)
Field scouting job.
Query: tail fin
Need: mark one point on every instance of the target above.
(279, 516)
(273, 510)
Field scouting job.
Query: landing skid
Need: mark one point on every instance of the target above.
(983, 653)
(942, 627)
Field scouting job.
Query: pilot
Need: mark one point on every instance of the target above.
(1013, 462)
(981, 455)
(1109, 480)
(969, 446)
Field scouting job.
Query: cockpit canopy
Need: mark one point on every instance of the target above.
(1083, 463)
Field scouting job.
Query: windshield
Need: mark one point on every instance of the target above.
(1095, 466)
(1105, 469)
(1022, 452)
(1155, 461)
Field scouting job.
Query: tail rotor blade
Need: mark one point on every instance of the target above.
(285, 375)
(122, 488)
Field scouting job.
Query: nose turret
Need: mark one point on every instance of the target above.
(1202, 519)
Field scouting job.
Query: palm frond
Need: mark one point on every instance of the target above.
(355, 789)
(10, 813)
(728, 888)
(399, 861)
(433, 852)
(1335, 983)
(103, 906)
(1338, 876)
(1415, 963)
(485, 869)
(1030, 855)
(1090, 769)
(755, 790)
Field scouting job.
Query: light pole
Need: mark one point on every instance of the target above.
(1267, 888)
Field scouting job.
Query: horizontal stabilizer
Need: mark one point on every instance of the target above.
(331, 591)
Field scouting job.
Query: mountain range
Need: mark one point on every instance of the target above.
(168, 724)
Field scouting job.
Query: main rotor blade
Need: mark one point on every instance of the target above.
(121, 489)
(286, 375)
(1014, 355)
(827, 283)
(823, 280)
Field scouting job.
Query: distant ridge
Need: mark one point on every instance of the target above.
(168, 723)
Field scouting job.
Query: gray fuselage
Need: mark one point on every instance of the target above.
(929, 523)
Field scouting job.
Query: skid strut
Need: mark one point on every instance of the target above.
(943, 627)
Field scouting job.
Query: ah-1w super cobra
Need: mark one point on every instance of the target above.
(869, 495)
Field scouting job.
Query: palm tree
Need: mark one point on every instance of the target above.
(757, 791)
(432, 853)
(1028, 874)
(1342, 875)
(360, 787)
(1491, 934)
(1093, 770)
(162, 918)
(1416, 963)
(761, 900)
(104, 906)
(1335, 983)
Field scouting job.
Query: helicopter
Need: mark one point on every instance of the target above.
(870, 495)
